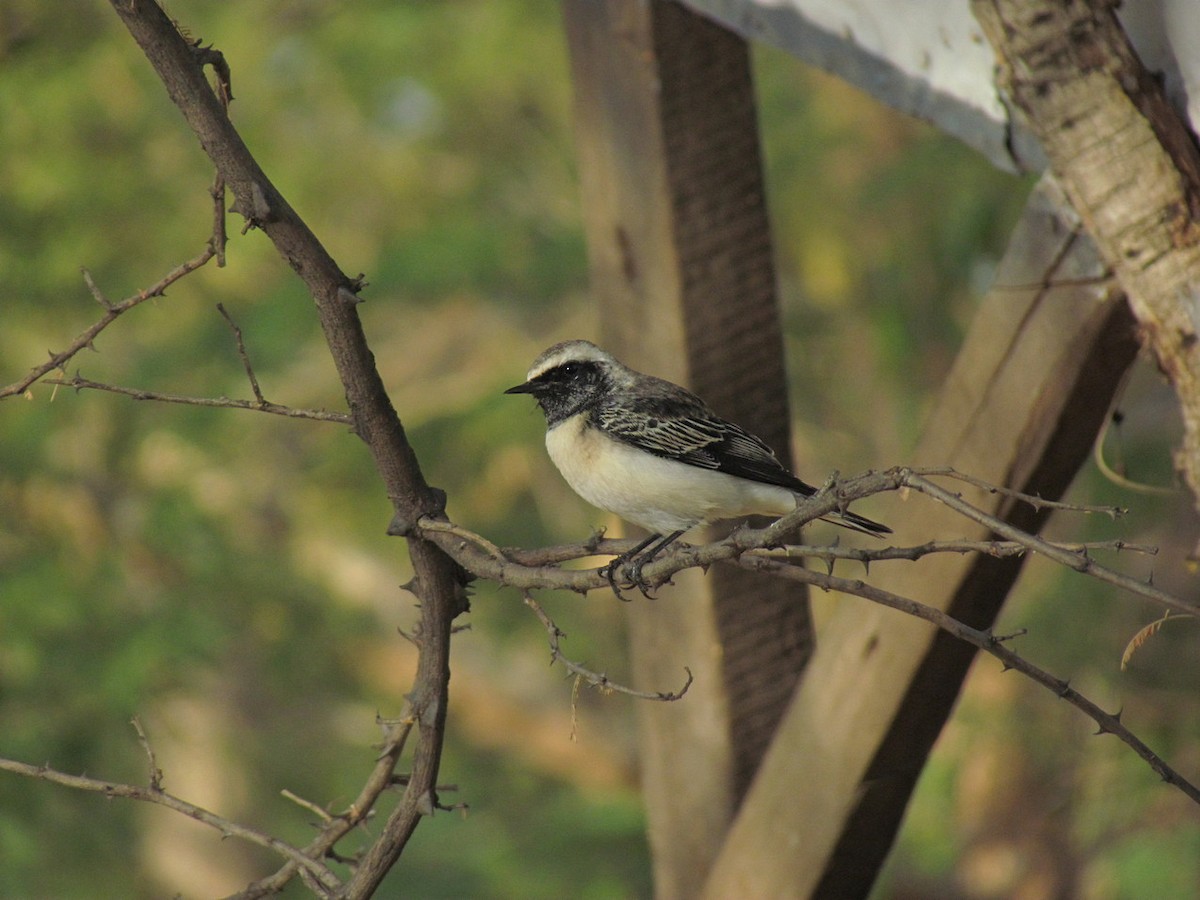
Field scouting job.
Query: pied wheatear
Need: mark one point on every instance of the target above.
(654, 453)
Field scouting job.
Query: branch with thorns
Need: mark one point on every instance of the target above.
(525, 570)
(599, 680)
(542, 569)
(764, 550)
(258, 404)
(310, 866)
(112, 311)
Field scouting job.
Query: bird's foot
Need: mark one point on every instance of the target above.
(631, 563)
(633, 571)
(623, 573)
(609, 570)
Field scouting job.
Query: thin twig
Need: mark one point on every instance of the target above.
(1038, 503)
(95, 290)
(997, 549)
(151, 794)
(595, 545)
(112, 312)
(1080, 561)
(597, 679)
(989, 643)
(396, 735)
(543, 574)
(307, 804)
(1108, 471)
(156, 774)
(243, 355)
(78, 382)
(447, 527)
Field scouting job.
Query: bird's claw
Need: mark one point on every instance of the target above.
(634, 572)
(623, 574)
(609, 571)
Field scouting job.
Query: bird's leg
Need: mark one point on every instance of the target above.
(634, 570)
(609, 570)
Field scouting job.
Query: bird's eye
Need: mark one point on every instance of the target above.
(570, 369)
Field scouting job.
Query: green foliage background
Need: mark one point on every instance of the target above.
(225, 576)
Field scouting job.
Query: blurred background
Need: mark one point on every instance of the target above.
(225, 576)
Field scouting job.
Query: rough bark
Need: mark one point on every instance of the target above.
(1128, 163)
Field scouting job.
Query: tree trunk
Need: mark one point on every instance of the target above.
(683, 276)
(1128, 163)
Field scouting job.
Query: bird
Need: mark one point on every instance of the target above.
(655, 454)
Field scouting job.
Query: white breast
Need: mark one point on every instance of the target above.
(661, 495)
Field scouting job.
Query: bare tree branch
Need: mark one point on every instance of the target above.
(112, 312)
(382, 777)
(438, 581)
(154, 794)
(757, 548)
(79, 383)
(505, 569)
(595, 679)
(1109, 723)
(1079, 560)
(243, 355)
(438, 548)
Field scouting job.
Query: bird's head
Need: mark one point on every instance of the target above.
(569, 377)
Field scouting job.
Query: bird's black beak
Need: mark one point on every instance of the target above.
(527, 388)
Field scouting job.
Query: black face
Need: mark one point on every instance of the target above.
(566, 389)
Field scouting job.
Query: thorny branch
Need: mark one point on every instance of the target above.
(756, 549)
(541, 570)
(761, 549)
(765, 549)
(179, 63)
(215, 249)
(153, 793)
(243, 355)
(79, 383)
(1108, 723)
(112, 311)
(595, 679)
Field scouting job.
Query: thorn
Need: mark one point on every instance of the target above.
(399, 527)
(348, 296)
(261, 206)
(425, 804)
(1001, 638)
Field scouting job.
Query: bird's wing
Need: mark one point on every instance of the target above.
(678, 425)
(683, 428)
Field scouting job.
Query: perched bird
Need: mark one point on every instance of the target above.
(654, 453)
